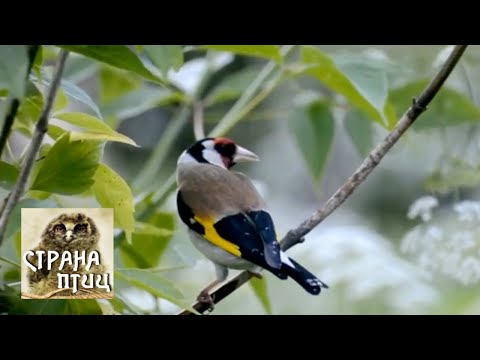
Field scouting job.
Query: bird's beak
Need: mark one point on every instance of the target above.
(244, 155)
(69, 234)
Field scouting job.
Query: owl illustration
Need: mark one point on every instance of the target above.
(67, 232)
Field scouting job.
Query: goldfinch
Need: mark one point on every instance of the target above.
(226, 216)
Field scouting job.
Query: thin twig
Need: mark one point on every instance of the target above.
(198, 128)
(40, 130)
(296, 235)
(3, 203)
(9, 261)
(15, 103)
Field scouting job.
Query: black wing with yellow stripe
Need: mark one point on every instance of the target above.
(254, 233)
(248, 235)
(187, 216)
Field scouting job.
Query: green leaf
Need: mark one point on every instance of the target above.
(61, 101)
(15, 218)
(78, 94)
(29, 110)
(448, 108)
(363, 85)
(18, 244)
(139, 101)
(368, 79)
(11, 303)
(119, 56)
(79, 68)
(96, 128)
(313, 129)
(149, 241)
(38, 195)
(55, 131)
(122, 305)
(271, 52)
(71, 90)
(18, 306)
(231, 87)
(50, 53)
(8, 175)
(13, 69)
(74, 92)
(391, 115)
(111, 191)
(84, 307)
(118, 305)
(38, 62)
(37, 307)
(13, 273)
(115, 83)
(102, 137)
(68, 167)
(8, 254)
(259, 287)
(360, 130)
(165, 57)
(142, 228)
(373, 57)
(44, 149)
(151, 282)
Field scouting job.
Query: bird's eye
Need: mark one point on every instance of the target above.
(59, 228)
(226, 149)
(80, 228)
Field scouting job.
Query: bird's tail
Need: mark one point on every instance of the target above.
(302, 276)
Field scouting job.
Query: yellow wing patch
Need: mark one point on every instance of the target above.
(212, 236)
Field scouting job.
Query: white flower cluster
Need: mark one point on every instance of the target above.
(365, 265)
(447, 244)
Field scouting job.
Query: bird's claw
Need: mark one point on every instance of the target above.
(205, 298)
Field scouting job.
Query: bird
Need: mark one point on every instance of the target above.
(67, 232)
(226, 217)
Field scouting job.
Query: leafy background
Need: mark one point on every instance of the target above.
(406, 242)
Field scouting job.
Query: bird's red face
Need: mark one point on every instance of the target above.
(220, 151)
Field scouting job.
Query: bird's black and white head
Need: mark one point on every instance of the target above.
(218, 151)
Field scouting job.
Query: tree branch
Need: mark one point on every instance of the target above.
(296, 235)
(15, 103)
(40, 130)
